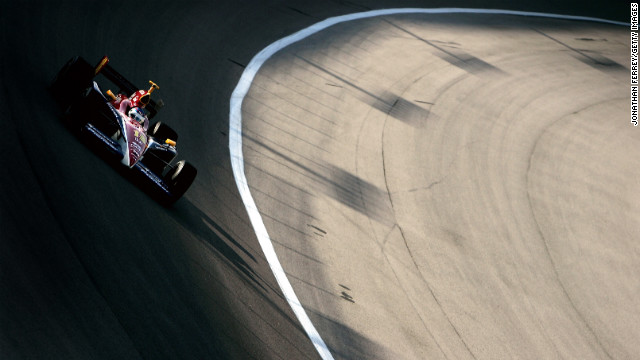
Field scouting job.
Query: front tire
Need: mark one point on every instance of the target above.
(180, 178)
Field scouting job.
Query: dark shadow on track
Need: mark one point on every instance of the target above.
(91, 267)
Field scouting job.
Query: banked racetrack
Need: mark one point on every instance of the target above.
(434, 185)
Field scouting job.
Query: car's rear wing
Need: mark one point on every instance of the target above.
(125, 86)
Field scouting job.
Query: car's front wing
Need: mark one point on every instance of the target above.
(113, 147)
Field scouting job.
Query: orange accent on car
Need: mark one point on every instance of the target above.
(153, 87)
(101, 64)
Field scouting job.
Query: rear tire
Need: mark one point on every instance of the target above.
(77, 109)
(161, 132)
(71, 80)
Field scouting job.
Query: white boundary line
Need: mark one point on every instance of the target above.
(235, 137)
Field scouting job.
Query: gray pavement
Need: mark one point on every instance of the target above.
(454, 186)
(92, 268)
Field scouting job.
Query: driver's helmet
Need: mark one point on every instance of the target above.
(138, 115)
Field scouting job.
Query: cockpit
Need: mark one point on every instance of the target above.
(138, 114)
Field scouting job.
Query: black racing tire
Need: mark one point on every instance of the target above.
(71, 80)
(76, 111)
(161, 132)
(180, 178)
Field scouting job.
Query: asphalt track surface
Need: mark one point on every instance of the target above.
(495, 238)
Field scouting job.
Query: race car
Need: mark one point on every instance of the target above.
(119, 124)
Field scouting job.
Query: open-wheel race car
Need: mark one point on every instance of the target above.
(120, 124)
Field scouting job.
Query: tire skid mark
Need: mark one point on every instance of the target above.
(235, 137)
